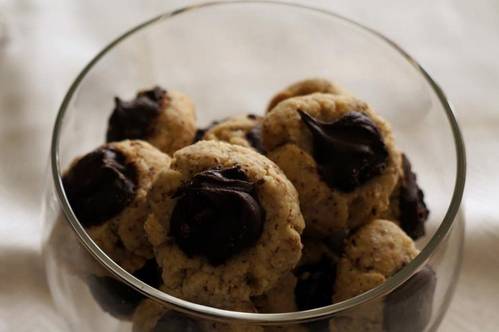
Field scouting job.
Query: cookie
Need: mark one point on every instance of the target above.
(306, 87)
(166, 119)
(242, 130)
(373, 254)
(226, 224)
(339, 155)
(407, 205)
(107, 190)
(151, 317)
(280, 298)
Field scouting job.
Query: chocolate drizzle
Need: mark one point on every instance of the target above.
(349, 151)
(100, 185)
(217, 215)
(135, 119)
(413, 210)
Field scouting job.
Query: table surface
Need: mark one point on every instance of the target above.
(43, 45)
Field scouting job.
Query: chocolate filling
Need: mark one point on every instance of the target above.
(116, 297)
(174, 322)
(100, 185)
(349, 151)
(413, 210)
(409, 307)
(150, 273)
(135, 119)
(254, 137)
(217, 215)
(315, 285)
(201, 131)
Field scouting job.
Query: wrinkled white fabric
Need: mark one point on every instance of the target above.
(43, 45)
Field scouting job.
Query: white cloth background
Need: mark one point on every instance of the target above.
(43, 45)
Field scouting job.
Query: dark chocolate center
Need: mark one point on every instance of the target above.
(150, 273)
(413, 210)
(349, 151)
(201, 131)
(217, 215)
(254, 136)
(100, 185)
(315, 284)
(135, 119)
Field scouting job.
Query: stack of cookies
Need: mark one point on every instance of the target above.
(307, 204)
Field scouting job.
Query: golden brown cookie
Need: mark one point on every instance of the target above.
(107, 190)
(280, 298)
(226, 224)
(166, 119)
(372, 254)
(306, 87)
(339, 155)
(244, 130)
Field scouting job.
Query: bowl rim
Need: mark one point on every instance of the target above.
(261, 318)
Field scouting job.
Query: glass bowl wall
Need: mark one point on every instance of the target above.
(230, 58)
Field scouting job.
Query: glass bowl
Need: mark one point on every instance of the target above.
(231, 57)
